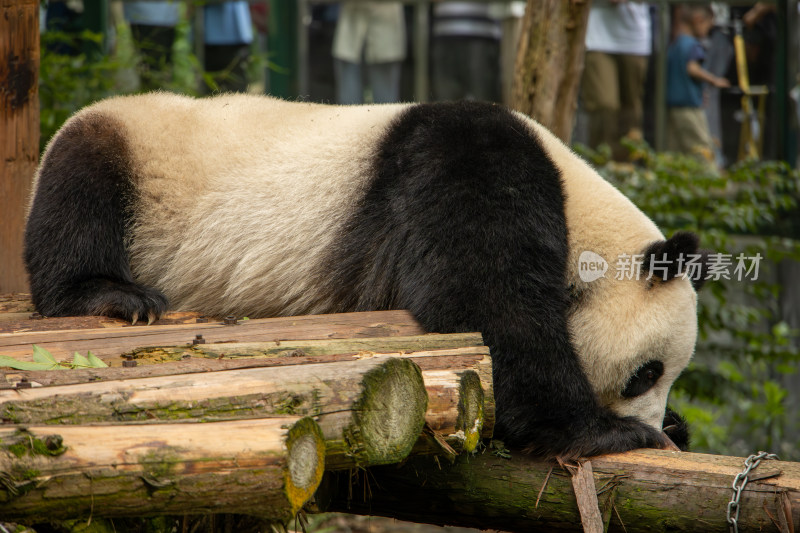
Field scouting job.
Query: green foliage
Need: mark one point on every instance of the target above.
(734, 393)
(70, 82)
(44, 360)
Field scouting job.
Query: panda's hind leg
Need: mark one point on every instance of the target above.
(75, 238)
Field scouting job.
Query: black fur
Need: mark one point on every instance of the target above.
(677, 429)
(668, 258)
(75, 236)
(464, 225)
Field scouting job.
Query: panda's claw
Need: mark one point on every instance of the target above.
(151, 317)
(135, 318)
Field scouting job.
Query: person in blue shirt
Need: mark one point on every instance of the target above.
(228, 33)
(687, 126)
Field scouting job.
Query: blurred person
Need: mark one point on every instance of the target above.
(370, 39)
(719, 56)
(152, 26)
(465, 52)
(618, 45)
(687, 125)
(228, 35)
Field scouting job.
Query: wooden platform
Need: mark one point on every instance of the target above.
(108, 338)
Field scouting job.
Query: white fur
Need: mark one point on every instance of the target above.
(280, 177)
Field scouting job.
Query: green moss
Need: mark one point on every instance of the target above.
(158, 466)
(389, 415)
(25, 443)
(19, 450)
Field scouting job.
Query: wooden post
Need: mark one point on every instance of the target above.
(19, 131)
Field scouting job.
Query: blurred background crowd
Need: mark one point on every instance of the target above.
(380, 51)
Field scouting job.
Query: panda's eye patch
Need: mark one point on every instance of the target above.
(643, 379)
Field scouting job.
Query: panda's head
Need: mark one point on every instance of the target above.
(634, 334)
(635, 328)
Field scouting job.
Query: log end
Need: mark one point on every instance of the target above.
(470, 410)
(390, 413)
(306, 462)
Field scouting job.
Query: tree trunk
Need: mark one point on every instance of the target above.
(19, 131)
(262, 467)
(644, 491)
(371, 411)
(550, 62)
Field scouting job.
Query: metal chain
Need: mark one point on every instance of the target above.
(739, 482)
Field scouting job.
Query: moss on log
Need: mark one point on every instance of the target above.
(308, 348)
(265, 467)
(644, 491)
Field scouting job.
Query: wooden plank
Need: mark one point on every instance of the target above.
(109, 343)
(455, 351)
(19, 131)
(16, 303)
(24, 322)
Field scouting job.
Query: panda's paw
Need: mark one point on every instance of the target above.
(604, 434)
(676, 428)
(127, 301)
(614, 434)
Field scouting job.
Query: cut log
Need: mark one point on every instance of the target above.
(643, 490)
(109, 342)
(265, 467)
(371, 410)
(458, 379)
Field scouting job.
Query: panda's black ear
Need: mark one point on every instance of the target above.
(671, 258)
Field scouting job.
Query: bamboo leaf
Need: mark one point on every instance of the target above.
(16, 364)
(80, 361)
(95, 362)
(41, 355)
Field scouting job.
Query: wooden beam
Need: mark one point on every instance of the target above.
(19, 131)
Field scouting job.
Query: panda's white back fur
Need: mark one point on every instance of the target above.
(242, 233)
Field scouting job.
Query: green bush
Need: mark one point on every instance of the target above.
(733, 393)
(68, 83)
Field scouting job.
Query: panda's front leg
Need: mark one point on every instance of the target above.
(75, 238)
(546, 406)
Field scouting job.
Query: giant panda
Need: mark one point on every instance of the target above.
(471, 216)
